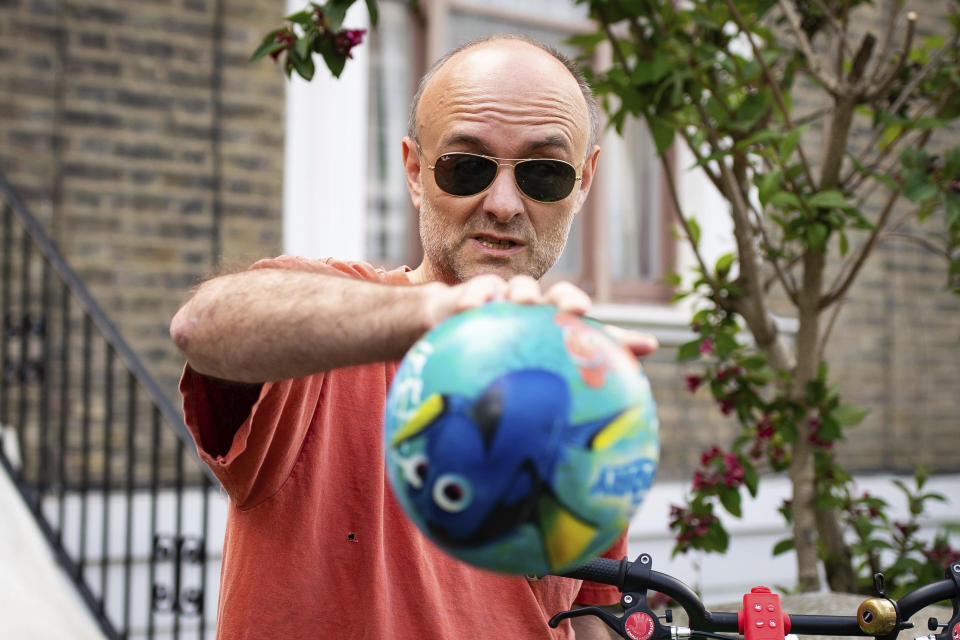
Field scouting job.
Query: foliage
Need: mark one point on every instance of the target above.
(318, 29)
(907, 560)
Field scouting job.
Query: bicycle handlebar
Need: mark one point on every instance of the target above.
(637, 577)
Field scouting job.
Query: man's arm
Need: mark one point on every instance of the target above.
(273, 324)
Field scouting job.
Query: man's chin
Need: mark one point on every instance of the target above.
(503, 269)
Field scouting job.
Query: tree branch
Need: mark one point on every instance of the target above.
(884, 84)
(895, 7)
(843, 282)
(772, 83)
(813, 63)
(685, 225)
(926, 243)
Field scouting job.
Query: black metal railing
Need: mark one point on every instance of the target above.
(96, 449)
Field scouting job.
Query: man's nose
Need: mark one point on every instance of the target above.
(502, 199)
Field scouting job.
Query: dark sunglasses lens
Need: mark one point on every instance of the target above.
(462, 174)
(546, 180)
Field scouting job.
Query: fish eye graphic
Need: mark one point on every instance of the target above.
(415, 469)
(452, 492)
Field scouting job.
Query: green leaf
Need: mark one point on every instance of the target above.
(373, 12)
(725, 344)
(694, 231)
(303, 66)
(831, 199)
(844, 243)
(784, 200)
(789, 144)
(849, 415)
(920, 192)
(663, 133)
(890, 134)
(334, 60)
(689, 351)
(268, 45)
(334, 12)
(304, 45)
(749, 111)
(753, 362)
(723, 265)
(817, 234)
(730, 499)
(717, 538)
(951, 208)
(951, 168)
(830, 429)
(783, 546)
(303, 18)
(751, 479)
(673, 279)
(768, 185)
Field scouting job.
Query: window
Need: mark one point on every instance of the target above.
(619, 248)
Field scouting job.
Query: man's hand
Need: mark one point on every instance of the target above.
(476, 292)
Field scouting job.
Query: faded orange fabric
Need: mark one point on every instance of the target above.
(316, 546)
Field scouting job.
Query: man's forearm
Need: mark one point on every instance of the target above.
(269, 324)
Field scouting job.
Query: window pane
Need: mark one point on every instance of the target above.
(632, 177)
(559, 11)
(464, 26)
(391, 89)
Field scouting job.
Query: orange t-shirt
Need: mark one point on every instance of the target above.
(316, 546)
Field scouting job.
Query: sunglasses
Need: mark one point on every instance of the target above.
(540, 179)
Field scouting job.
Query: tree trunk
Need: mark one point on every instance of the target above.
(802, 472)
(837, 561)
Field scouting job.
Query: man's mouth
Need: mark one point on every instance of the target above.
(495, 243)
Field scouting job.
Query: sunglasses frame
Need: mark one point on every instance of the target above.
(510, 162)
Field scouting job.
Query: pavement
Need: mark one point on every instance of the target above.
(37, 600)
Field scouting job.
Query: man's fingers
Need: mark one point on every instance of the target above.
(640, 344)
(524, 290)
(568, 297)
(480, 290)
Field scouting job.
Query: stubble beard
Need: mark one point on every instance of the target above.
(443, 245)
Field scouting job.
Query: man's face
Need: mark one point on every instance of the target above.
(507, 100)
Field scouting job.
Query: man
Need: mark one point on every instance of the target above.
(289, 363)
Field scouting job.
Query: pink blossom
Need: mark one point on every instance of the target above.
(706, 347)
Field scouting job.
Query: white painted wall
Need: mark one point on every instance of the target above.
(325, 170)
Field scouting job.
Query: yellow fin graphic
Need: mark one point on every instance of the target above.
(565, 535)
(618, 428)
(426, 414)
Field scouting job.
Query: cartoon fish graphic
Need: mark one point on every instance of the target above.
(486, 466)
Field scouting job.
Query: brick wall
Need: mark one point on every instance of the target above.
(142, 138)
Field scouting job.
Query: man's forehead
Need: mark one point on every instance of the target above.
(509, 81)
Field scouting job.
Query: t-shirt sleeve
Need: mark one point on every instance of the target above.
(251, 435)
(596, 593)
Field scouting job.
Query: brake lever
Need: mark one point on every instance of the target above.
(951, 630)
(638, 621)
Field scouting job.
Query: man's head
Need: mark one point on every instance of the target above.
(505, 97)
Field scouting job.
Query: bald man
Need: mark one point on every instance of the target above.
(288, 365)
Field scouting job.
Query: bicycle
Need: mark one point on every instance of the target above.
(762, 617)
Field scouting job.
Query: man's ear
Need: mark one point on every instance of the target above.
(411, 166)
(589, 169)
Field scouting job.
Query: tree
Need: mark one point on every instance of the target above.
(720, 78)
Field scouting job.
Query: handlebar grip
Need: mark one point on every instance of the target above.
(602, 570)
